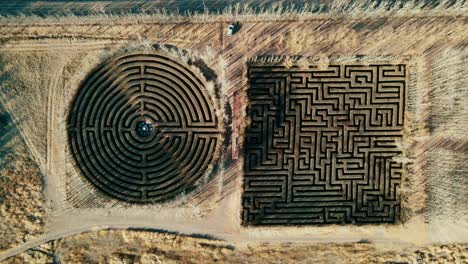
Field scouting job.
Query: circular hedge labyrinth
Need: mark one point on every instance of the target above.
(142, 128)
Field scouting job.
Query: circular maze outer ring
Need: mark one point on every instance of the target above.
(121, 93)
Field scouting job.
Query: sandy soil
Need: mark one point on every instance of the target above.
(22, 202)
(147, 247)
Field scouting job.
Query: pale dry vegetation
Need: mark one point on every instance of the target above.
(147, 247)
(22, 208)
(255, 11)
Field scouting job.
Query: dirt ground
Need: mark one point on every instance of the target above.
(146, 247)
(22, 202)
(44, 208)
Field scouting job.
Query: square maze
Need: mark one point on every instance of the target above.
(320, 144)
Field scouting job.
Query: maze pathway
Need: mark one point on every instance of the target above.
(320, 143)
(142, 128)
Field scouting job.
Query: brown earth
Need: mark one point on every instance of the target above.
(22, 202)
(147, 247)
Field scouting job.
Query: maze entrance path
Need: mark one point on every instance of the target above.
(320, 143)
(142, 128)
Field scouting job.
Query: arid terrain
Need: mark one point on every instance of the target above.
(410, 61)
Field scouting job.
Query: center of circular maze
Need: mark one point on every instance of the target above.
(143, 128)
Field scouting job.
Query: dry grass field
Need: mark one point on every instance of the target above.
(51, 213)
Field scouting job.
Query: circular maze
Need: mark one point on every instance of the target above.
(142, 128)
